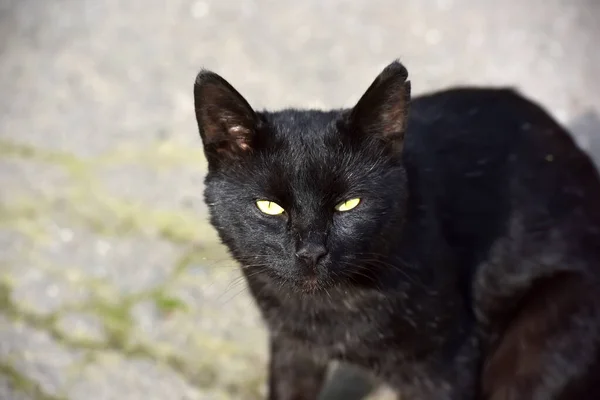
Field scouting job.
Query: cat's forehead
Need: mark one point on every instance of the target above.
(298, 127)
(305, 139)
(305, 152)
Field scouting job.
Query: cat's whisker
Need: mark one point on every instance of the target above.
(241, 280)
(378, 255)
(257, 270)
(235, 295)
(215, 263)
(357, 270)
(352, 277)
(398, 268)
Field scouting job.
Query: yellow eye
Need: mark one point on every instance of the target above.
(268, 207)
(347, 205)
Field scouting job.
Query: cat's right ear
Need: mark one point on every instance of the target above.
(382, 111)
(226, 122)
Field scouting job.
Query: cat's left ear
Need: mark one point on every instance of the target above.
(382, 112)
(226, 122)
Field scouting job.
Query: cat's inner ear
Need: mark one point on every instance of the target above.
(382, 111)
(226, 122)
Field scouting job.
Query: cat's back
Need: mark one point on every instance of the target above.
(490, 157)
(470, 123)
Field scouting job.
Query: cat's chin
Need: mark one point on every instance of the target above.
(311, 285)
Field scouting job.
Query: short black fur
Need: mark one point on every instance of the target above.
(469, 269)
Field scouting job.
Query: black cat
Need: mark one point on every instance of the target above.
(453, 250)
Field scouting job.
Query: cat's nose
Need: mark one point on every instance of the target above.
(311, 253)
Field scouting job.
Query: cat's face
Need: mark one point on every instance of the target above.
(305, 197)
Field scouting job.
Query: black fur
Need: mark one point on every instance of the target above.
(469, 270)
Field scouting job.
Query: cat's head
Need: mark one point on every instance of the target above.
(309, 198)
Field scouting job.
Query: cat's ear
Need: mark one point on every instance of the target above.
(382, 112)
(226, 122)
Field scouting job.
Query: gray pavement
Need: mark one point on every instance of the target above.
(112, 284)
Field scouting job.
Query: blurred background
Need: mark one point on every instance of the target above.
(112, 283)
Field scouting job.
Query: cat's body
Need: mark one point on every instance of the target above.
(470, 268)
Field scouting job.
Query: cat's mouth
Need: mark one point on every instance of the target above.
(314, 284)
(303, 282)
